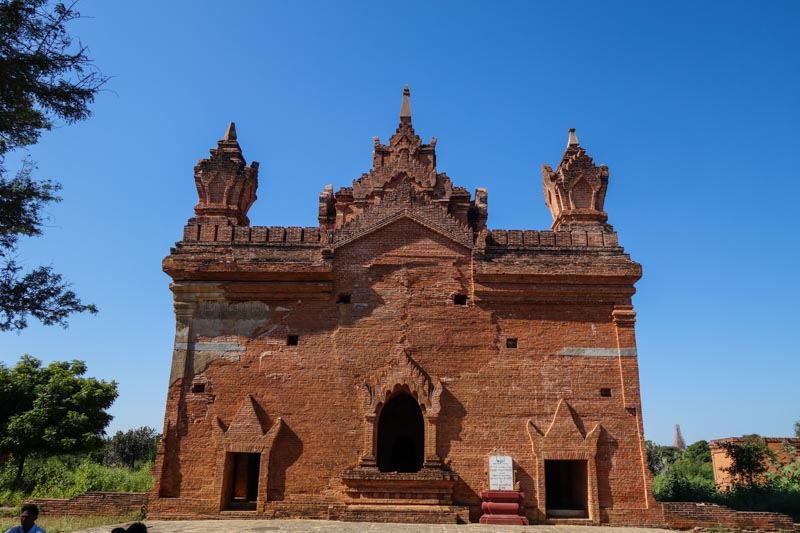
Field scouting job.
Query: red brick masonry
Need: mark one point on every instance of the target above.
(367, 367)
(682, 515)
(94, 503)
(677, 515)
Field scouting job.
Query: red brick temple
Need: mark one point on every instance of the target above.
(367, 367)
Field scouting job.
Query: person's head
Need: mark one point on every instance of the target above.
(118, 530)
(28, 515)
(137, 527)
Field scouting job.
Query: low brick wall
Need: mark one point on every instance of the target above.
(684, 515)
(93, 503)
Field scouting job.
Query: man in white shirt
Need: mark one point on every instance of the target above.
(27, 519)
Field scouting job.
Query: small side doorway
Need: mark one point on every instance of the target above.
(242, 483)
(566, 488)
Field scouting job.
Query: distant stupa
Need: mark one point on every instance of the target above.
(678, 442)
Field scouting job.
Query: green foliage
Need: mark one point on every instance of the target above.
(757, 489)
(52, 409)
(797, 429)
(66, 476)
(699, 452)
(688, 477)
(776, 495)
(750, 459)
(660, 458)
(674, 486)
(132, 447)
(43, 77)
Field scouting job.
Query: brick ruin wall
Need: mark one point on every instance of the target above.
(686, 515)
(94, 503)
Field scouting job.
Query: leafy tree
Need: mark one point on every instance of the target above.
(749, 457)
(52, 409)
(44, 77)
(797, 429)
(688, 476)
(698, 453)
(660, 458)
(132, 446)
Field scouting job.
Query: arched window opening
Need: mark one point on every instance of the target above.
(401, 435)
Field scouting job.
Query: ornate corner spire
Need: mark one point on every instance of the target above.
(575, 192)
(226, 186)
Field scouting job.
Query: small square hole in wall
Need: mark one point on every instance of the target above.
(605, 393)
(291, 340)
(343, 299)
(198, 388)
(511, 343)
(460, 299)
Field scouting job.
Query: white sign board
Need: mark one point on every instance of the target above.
(501, 472)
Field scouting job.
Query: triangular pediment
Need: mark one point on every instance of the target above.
(246, 426)
(404, 203)
(564, 432)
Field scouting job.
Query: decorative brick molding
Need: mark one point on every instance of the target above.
(261, 235)
(531, 239)
(94, 503)
(404, 202)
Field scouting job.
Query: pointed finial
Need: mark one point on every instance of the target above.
(573, 139)
(230, 133)
(405, 109)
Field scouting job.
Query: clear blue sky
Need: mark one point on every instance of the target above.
(693, 105)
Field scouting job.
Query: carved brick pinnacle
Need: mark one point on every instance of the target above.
(226, 186)
(575, 192)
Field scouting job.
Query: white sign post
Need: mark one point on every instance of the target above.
(501, 472)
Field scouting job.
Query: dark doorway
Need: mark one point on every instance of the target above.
(567, 488)
(401, 436)
(244, 474)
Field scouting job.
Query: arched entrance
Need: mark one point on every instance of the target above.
(401, 435)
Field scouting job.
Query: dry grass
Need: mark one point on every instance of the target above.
(65, 524)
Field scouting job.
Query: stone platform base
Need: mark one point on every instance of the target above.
(425, 514)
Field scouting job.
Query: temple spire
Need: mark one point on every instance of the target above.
(678, 441)
(573, 139)
(405, 108)
(230, 133)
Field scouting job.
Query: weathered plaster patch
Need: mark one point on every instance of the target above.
(599, 352)
(212, 319)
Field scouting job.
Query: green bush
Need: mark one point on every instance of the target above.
(676, 486)
(777, 495)
(65, 476)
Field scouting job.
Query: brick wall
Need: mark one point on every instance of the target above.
(93, 503)
(784, 450)
(683, 515)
